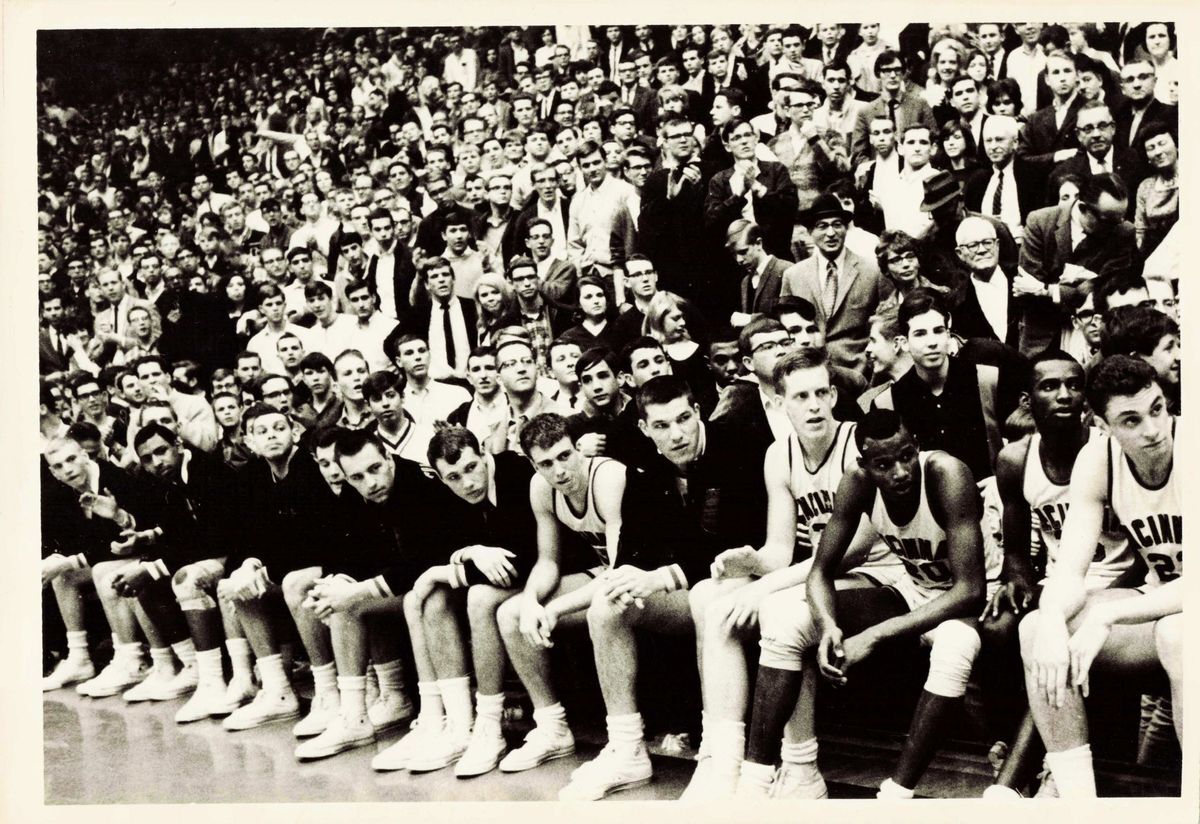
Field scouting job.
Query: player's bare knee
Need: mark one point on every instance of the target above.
(955, 647)
(1168, 641)
(297, 584)
(1027, 631)
(508, 618)
(437, 603)
(603, 614)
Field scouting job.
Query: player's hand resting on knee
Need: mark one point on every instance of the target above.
(128, 583)
(1014, 596)
(53, 566)
(629, 585)
(493, 562)
(1085, 644)
(338, 594)
(536, 623)
(740, 562)
(739, 609)
(1051, 661)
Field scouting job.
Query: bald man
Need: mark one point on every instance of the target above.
(987, 309)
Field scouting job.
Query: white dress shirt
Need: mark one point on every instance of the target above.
(992, 295)
(1010, 207)
(439, 367)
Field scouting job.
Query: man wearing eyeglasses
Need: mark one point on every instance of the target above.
(812, 155)
(760, 191)
(1140, 107)
(1098, 153)
(987, 309)
(550, 205)
(1065, 247)
(899, 103)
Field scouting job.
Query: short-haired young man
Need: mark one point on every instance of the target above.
(1124, 631)
(569, 494)
(678, 514)
(925, 507)
(428, 399)
(517, 370)
(494, 547)
(488, 406)
(1033, 479)
(395, 428)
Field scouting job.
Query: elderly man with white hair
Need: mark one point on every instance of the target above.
(987, 309)
(1011, 187)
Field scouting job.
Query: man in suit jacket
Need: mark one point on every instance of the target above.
(763, 189)
(446, 322)
(1049, 134)
(902, 105)
(764, 272)
(672, 209)
(845, 288)
(1098, 153)
(988, 309)
(1140, 107)
(1091, 236)
(1012, 186)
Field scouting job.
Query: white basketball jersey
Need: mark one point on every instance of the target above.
(1048, 503)
(1152, 517)
(921, 543)
(589, 524)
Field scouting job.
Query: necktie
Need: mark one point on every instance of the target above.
(448, 331)
(996, 198)
(831, 287)
(892, 104)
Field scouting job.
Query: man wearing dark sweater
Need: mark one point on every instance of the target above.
(680, 512)
(362, 594)
(494, 547)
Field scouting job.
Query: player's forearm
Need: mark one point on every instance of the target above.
(789, 576)
(962, 600)
(1063, 595)
(1157, 603)
(774, 556)
(820, 596)
(543, 578)
(574, 601)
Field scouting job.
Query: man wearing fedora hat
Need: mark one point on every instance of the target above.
(844, 287)
(945, 204)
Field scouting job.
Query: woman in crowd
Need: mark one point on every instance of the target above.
(1158, 195)
(665, 323)
(495, 305)
(596, 314)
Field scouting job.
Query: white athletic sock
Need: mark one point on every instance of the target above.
(325, 679)
(552, 718)
(489, 709)
(803, 752)
(626, 732)
(77, 646)
(163, 660)
(757, 775)
(390, 675)
(353, 691)
(432, 710)
(456, 698)
(208, 662)
(728, 740)
(185, 651)
(131, 653)
(1073, 772)
(274, 677)
(890, 789)
(239, 657)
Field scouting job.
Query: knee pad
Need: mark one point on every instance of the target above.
(955, 647)
(189, 590)
(787, 630)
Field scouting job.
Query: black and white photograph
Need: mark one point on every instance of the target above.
(726, 413)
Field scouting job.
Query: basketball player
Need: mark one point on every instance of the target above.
(925, 507)
(569, 494)
(1121, 630)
